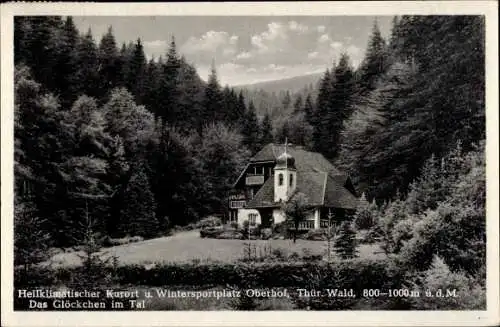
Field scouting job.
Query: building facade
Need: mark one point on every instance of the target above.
(279, 172)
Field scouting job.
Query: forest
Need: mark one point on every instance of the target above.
(142, 146)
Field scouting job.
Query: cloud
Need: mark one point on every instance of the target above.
(283, 42)
(212, 44)
(244, 55)
(300, 28)
(272, 40)
(324, 38)
(281, 50)
(328, 50)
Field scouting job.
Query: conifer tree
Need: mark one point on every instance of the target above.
(298, 104)
(65, 68)
(287, 101)
(334, 106)
(250, 130)
(309, 109)
(266, 130)
(109, 62)
(31, 239)
(213, 98)
(169, 94)
(137, 72)
(38, 46)
(375, 61)
(125, 58)
(138, 213)
(189, 103)
(241, 109)
(320, 121)
(86, 78)
(345, 243)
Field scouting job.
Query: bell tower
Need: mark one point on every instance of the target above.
(285, 176)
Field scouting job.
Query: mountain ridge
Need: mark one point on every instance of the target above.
(292, 84)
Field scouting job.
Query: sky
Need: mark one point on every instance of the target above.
(246, 49)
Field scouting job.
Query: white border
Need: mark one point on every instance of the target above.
(233, 318)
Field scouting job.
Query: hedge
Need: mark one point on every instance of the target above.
(356, 273)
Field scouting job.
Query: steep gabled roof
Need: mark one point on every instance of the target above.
(304, 160)
(320, 189)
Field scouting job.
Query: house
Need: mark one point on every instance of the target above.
(279, 172)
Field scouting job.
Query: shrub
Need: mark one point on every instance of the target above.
(234, 225)
(281, 230)
(266, 233)
(469, 294)
(357, 274)
(229, 234)
(366, 213)
(307, 255)
(211, 232)
(345, 244)
(210, 221)
(315, 235)
(279, 253)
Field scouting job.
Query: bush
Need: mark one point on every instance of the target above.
(470, 294)
(234, 225)
(108, 241)
(355, 273)
(315, 235)
(210, 221)
(281, 230)
(345, 244)
(232, 234)
(211, 232)
(266, 233)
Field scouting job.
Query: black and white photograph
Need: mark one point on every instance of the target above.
(269, 162)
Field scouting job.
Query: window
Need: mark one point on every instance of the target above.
(252, 219)
(237, 204)
(280, 179)
(291, 180)
(233, 216)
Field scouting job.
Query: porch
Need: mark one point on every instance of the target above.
(309, 224)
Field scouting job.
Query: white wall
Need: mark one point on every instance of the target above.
(243, 215)
(279, 216)
(283, 192)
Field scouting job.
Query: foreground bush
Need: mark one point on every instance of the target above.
(354, 273)
(470, 295)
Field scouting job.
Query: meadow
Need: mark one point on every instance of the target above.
(190, 247)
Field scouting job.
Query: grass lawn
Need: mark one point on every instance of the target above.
(189, 246)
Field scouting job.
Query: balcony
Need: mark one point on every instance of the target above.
(306, 224)
(237, 204)
(323, 223)
(254, 179)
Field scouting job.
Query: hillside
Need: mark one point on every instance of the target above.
(293, 84)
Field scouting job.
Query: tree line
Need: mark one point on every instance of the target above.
(142, 145)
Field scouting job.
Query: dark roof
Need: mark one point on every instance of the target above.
(304, 160)
(317, 178)
(320, 189)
